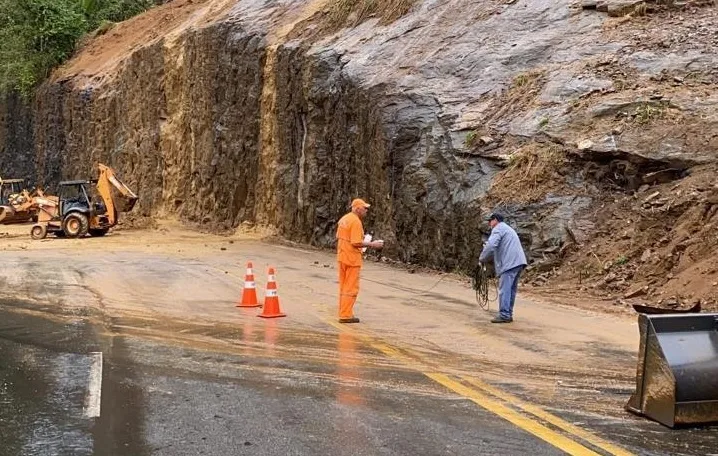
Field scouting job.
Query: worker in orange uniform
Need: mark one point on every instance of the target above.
(350, 242)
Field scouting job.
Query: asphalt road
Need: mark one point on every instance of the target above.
(184, 372)
(163, 399)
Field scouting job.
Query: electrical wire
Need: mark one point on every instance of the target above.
(483, 284)
(407, 289)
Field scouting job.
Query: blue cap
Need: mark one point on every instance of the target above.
(495, 216)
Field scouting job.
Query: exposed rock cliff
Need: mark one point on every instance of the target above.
(223, 112)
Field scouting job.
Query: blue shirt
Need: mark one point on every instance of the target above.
(505, 246)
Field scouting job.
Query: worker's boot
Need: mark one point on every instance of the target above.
(349, 320)
(501, 319)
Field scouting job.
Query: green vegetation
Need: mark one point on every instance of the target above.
(350, 13)
(525, 79)
(648, 112)
(470, 139)
(38, 35)
(532, 172)
(620, 261)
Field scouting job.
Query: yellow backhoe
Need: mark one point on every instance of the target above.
(14, 196)
(82, 206)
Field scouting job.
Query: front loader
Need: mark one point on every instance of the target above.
(677, 369)
(13, 202)
(83, 207)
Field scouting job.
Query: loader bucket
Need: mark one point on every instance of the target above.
(124, 203)
(9, 216)
(676, 379)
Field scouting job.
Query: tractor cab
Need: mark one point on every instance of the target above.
(15, 201)
(80, 196)
(9, 187)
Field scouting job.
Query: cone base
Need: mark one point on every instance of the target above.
(247, 305)
(272, 315)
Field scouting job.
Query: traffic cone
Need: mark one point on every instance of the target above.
(271, 298)
(249, 293)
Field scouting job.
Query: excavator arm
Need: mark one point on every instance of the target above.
(105, 182)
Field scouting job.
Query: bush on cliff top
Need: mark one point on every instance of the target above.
(37, 35)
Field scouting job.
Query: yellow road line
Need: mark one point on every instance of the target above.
(523, 422)
(549, 418)
(527, 424)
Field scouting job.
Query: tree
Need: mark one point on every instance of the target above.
(38, 35)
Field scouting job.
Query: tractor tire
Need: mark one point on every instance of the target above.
(38, 232)
(75, 225)
(98, 232)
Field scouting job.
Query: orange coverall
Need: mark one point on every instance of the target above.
(350, 235)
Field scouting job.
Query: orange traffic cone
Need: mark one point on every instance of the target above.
(249, 293)
(271, 299)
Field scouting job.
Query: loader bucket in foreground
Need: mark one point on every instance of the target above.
(677, 375)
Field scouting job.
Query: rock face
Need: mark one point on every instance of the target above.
(16, 139)
(222, 112)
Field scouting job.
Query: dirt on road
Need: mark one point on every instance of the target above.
(181, 286)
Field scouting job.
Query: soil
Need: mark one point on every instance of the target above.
(656, 246)
(99, 58)
(175, 274)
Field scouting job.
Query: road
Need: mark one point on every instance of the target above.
(185, 372)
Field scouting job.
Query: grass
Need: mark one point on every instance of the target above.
(620, 261)
(525, 79)
(648, 112)
(350, 13)
(470, 139)
(518, 97)
(531, 173)
(640, 10)
(341, 14)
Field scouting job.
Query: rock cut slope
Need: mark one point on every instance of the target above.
(276, 113)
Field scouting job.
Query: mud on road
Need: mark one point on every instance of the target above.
(187, 372)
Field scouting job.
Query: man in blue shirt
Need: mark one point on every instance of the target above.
(509, 261)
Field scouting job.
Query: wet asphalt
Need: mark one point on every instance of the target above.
(164, 399)
(268, 391)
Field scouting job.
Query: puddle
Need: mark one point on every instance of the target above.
(44, 379)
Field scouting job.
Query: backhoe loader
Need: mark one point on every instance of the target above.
(82, 207)
(13, 196)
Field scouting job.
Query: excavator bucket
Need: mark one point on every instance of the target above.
(677, 369)
(5, 211)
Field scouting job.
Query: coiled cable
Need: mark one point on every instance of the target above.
(485, 285)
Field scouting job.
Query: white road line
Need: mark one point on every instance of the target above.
(94, 395)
